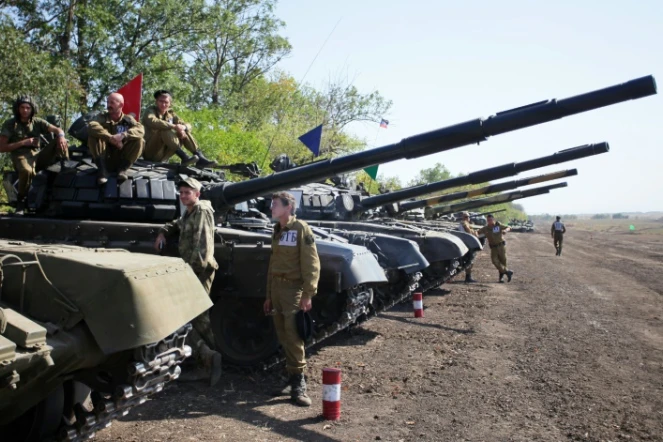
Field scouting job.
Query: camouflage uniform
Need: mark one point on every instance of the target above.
(29, 160)
(196, 248)
(294, 271)
(497, 246)
(161, 140)
(557, 231)
(465, 227)
(101, 128)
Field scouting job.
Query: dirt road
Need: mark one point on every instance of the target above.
(571, 349)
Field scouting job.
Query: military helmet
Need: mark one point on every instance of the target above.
(24, 99)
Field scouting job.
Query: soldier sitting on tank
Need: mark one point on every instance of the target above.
(115, 140)
(196, 247)
(166, 134)
(21, 136)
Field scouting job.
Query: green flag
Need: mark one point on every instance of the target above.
(632, 228)
(372, 171)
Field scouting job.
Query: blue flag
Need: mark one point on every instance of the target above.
(312, 139)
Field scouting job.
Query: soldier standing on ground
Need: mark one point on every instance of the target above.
(115, 140)
(292, 280)
(494, 232)
(557, 232)
(166, 134)
(465, 227)
(196, 247)
(21, 137)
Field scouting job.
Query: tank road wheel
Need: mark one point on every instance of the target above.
(244, 335)
(38, 423)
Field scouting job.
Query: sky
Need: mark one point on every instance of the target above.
(443, 62)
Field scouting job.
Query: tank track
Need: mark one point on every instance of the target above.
(151, 368)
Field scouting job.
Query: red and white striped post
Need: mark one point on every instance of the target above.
(418, 304)
(331, 393)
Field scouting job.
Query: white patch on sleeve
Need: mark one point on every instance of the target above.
(288, 238)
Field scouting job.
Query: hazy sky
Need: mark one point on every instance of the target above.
(443, 62)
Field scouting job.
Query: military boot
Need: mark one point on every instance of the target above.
(502, 277)
(298, 394)
(102, 171)
(509, 274)
(211, 361)
(122, 175)
(468, 279)
(204, 162)
(20, 207)
(284, 390)
(186, 160)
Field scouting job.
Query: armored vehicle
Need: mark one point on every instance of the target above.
(67, 206)
(86, 335)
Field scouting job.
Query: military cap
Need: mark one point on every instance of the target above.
(304, 323)
(190, 182)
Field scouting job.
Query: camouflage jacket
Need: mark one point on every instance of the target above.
(16, 131)
(102, 127)
(294, 256)
(196, 230)
(154, 123)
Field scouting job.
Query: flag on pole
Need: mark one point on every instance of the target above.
(132, 93)
(372, 171)
(312, 139)
(384, 123)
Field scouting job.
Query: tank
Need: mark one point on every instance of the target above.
(66, 206)
(86, 335)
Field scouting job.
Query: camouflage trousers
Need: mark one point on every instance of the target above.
(202, 333)
(498, 257)
(27, 166)
(286, 296)
(163, 144)
(557, 240)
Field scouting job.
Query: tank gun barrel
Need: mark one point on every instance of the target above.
(497, 199)
(476, 215)
(469, 132)
(482, 176)
(500, 187)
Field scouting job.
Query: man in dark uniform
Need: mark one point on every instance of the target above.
(21, 136)
(292, 280)
(557, 232)
(494, 231)
(115, 140)
(166, 133)
(196, 247)
(465, 227)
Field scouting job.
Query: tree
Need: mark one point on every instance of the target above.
(438, 172)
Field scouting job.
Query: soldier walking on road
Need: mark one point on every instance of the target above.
(465, 227)
(292, 280)
(494, 232)
(21, 136)
(166, 134)
(115, 140)
(196, 247)
(557, 232)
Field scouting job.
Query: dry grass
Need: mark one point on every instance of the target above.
(619, 226)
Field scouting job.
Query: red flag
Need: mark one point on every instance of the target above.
(132, 93)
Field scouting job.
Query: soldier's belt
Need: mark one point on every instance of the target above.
(503, 243)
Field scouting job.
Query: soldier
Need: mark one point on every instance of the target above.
(196, 247)
(292, 280)
(115, 140)
(465, 227)
(494, 232)
(21, 136)
(166, 134)
(557, 232)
